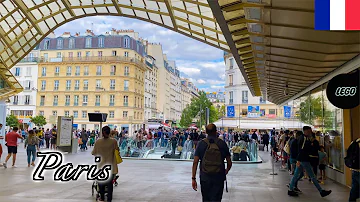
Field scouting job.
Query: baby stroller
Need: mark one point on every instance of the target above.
(95, 187)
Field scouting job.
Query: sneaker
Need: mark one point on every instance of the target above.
(324, 193)
(292, 193)
(4, 164)
(14, 166)
(297, 190)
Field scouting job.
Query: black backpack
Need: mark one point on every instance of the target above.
(352, 159)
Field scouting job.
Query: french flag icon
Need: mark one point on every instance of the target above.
(337, 14)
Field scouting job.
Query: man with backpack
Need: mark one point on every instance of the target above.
(352, 161)
(211, 152)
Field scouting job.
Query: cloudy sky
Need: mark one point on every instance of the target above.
(201, 63)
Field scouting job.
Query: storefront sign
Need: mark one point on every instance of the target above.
(253, 111)
(343, 90)
(230, 111)
(271, 115)
(287, 111)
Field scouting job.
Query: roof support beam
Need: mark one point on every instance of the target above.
(171, 13)
(2, 36)
(67, 6)
(28, 15)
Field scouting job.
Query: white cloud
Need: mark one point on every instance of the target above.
(201, 63)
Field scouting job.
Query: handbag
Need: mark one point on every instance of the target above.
(117, 156)
(80, 141)
(287, 147)
(179, 148)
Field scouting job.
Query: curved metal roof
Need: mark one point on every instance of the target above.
(273, 41)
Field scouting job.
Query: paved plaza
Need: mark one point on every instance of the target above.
(158, 180)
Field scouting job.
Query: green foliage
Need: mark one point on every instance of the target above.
(312, 109)
(12, 121)
(222, 111)
(38, 120)
(193, 110)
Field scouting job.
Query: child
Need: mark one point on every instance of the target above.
(322, 162)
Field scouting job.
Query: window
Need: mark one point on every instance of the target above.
(71, 43)
(28, 71)
(46, 57)
(43, 85)
(111, 114)
(59, 44)
(126, 85)
(58, 54)
(272, 111)
(98, 84)
(112, 100)
(43, 71)
(56, 85)
(113, 70)
(114, 53)
(76, 114)
(42, 100)
(97, 100)
(56, 99)
(86, 71)
(231, 97)
(77, 84)
(57, 71)
(126, 71)
(231, 80)
(67, 100)
(47, 44)
(67, 113)
(68, 71)
(126, 42)
(76, 100)
(79, 54)
(77, 71)
(126, 54)
(41, 113)
(100, 53)
(27, 99)
(85, 100)
(101, 42)
(98, 70)
(68, 84)
(87, 53)
(245, 97)
(231, 60)
(112, 84)
(125, 114)
(71, 54)
(54, 113)
(86, 84)
(88, 42)
(84, 114)
(126, 101)
(17, 71)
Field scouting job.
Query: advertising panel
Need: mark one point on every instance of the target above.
(287, 111)
(253, 111)
(230, 111)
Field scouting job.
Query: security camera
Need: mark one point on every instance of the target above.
(286, 91)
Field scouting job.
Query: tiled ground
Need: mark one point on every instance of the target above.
(156, 180)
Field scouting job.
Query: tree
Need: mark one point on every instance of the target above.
(39, 120)
(12, 120)
(222, 111)
(197, 108)
(312, 109)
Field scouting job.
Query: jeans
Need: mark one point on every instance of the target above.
(31, 150)
(156, 141)
(163, 142)
(299, 172)
(110, 188)
(212, 190)
(354, 192)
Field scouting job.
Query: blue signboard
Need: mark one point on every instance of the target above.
(287, 111)
(253, 111)
(230, 111)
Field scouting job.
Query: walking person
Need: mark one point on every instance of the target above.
(323, 159)
(53, 138)
(265, 139)
(47, 138)
(211, 152)
(303, 163)
(31, 145)
(105, 149)
(1, 138)
(11, 142)
(314, 154)
(352, 161)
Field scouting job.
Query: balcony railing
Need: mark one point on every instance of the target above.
(41, 103)
(76, 88)
(112, 87)
(68, 73)
(15, 103)
(85, 88)
(245, 101)
(98, 73)
(126, 88)
(92, 59)
(56, 73)
(55, 104)
(27, 103)
(231, 101)
(112, 73)
(30, 59)
(97, 103)
(126, 104)
(77, 73)
(86, 73)
(68, 88)
(76, 104)
(84, 104)
(111, 104)
(56, 88)
(67, 103)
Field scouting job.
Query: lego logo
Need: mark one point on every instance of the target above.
(345, 91)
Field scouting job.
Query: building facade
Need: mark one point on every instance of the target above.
(237, 94)
(151, 77)
(23, 105)
(88, 73)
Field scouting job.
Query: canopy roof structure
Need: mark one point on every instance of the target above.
(273, 41)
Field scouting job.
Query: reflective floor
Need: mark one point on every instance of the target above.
(154, 180)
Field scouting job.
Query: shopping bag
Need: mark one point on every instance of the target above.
(80, 141)
(118, 157)
(179, 148)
